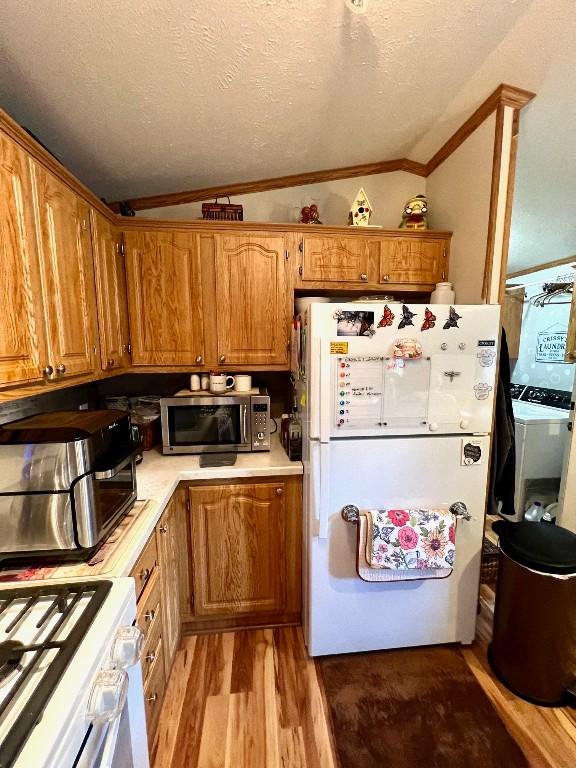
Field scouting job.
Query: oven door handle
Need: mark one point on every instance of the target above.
(107, 474)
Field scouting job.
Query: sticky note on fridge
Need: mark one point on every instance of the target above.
(303, 400)
(338, 347)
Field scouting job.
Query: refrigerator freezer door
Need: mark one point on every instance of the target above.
(345, 614)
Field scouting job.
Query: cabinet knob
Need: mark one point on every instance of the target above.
(144, 574)
(152, 699)
(222, 358)
(127, 348)
(199, 359)
(279, 491)
(163, 528)
(48, 370)
(110, 363)
(150, 657)
(385, 278)
(61, 368)
(364, 277)
(150, 615)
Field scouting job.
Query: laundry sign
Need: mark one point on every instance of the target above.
(550, 347)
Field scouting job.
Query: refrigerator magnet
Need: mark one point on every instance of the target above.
(354, 323)
(486, 357)
(407, 316)
(452, 321)
(407, 349)
(429, 320)
(387, 317)
(482, 390)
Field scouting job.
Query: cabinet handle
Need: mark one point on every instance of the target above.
(127, 348)
(364, 276)
(163, 528)
(385, 278)
(279, 491)
(152, 699)
(110, 363)
(222, 358)
(150, 657)
(48, 370)
(199, 359)
(150, 615)
(144, 574)
(61, 368)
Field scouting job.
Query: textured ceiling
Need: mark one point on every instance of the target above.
(148, 96)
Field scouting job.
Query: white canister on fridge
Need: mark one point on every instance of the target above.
(443, 294)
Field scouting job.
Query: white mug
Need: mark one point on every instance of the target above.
(204, 381)
(194, 382)
(243, 382)
(219, 383)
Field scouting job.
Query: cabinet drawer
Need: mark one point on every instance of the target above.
(149, 614)
(150, 650)
(336, 259)
(154, 692)
(145, 565)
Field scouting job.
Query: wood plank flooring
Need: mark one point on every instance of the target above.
(252, 699)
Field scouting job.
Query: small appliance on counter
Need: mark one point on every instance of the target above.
(230, 422)
(66, 480)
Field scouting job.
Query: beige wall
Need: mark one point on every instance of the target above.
(459, 199)
(387, 192)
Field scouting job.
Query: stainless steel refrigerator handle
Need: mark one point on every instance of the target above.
(106, 474)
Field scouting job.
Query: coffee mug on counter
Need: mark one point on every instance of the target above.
(219, 383)
(204, 381)
(194, 382)
(242, 383)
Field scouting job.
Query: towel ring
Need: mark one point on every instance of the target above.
(351, 514)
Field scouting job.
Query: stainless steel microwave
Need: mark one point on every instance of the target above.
(197, 422)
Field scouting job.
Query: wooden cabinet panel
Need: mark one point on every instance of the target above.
(420, 260)
(164, 298)
(110, 294)
(63, 222)
(252, 301)
(512, 313)
(337, 259)
(22, 337)
(172, 539)
(154, 689)
(239, 548)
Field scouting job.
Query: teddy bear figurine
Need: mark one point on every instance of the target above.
(415, 213)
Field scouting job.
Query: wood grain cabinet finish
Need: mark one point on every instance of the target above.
(336, 259)
(252, 299)
(164, 297)
(512, 314)
(23, 351)
(66, 261)
(110, 294)
(418, 260)
(245, 547)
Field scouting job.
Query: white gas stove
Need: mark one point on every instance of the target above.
(70, 676)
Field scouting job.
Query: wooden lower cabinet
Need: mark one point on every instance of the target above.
(245, 555)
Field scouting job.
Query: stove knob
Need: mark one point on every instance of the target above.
(464, 424)
(126, 647)
(108, 696)
(433, 426)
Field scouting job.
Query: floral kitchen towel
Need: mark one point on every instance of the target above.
(410, 538)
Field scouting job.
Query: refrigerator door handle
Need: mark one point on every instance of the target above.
(325, 397)
(324, 500)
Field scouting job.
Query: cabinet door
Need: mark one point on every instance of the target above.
(22, 338)
(110, 294)
(172, 538)
(238, 535)
(251, 299)
(404, 260)
(164, 298)
(335, 259)
(63, 221)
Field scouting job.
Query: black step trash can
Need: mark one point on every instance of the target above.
(533, 649)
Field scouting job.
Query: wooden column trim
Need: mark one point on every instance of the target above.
(494, 195)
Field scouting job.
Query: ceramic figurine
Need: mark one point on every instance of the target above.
(309, 215)
(361, 210)
(415, 213)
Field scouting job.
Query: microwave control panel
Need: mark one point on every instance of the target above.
(260, 422)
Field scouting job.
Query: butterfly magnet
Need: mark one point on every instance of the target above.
(387, 317)
(452, 321)
(407, 316)
(429, 320)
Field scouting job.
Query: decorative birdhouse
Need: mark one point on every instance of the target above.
(361, 210)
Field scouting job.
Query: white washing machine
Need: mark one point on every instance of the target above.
(541, 417)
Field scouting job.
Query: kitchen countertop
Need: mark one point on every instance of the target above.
(157, 478)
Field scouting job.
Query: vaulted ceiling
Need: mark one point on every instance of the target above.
(148, 96)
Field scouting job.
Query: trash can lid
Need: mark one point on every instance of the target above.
(540, 546)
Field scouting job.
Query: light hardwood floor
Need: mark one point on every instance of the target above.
(252, 699)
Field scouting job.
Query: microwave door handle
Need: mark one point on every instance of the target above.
(243, 433)
(106, 474)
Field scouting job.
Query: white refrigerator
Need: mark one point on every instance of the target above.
(397, 410)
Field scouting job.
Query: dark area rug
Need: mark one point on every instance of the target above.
(413, 708)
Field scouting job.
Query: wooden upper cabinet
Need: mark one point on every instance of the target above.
(22, 336)
(110, 294)
(252, 299)
(336, 259)
(417, 260)
(238, 536)
(164, 297)
(63, 226)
